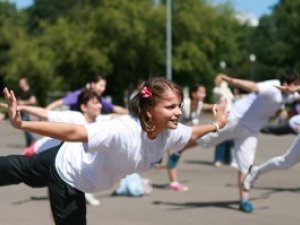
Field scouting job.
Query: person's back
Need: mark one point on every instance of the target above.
(254, 109)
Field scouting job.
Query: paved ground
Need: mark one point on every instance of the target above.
(212, 198)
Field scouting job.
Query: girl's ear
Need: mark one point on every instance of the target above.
(149, 112)
(83, 108)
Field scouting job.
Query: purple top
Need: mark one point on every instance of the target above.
(71, 101)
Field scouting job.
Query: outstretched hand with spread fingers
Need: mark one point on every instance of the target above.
(220, 113)
(12, 108)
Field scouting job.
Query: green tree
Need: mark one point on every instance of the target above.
(67, 41)
(275, 40)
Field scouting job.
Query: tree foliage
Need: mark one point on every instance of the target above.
(58, 45)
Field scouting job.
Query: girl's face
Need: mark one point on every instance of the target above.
(91, 109)
(166, 113)
(200, 94)
(99, 87)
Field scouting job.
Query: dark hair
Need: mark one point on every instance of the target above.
(83, 98)
(194, 89)
(157, 86)
(289, 76)
(96, 78)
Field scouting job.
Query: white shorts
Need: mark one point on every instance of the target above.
(245, 143)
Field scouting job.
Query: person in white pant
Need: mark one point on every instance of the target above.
(247, 115)
(282, 162)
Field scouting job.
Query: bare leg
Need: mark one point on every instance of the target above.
(172, 175)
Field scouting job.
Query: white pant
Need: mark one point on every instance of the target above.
(285, 161)
(245, 143)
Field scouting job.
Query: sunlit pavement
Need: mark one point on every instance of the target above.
(211, 199)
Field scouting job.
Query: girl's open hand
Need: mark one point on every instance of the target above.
(12, 108)
(220, 113)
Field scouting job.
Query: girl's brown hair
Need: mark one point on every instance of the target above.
(148, 95)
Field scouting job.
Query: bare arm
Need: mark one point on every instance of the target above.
(240, 83)
(288, 89)
(220, 114)
(61, 131)
(39, 112)
(55, 104)
(207, 106)
(119, 109)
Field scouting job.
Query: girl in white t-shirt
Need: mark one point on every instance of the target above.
(96, 156)
(88, 110)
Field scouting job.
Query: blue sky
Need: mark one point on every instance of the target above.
(22, 3)
(255, 7)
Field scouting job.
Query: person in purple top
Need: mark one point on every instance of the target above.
(98, 85)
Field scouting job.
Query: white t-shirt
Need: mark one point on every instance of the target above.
(254, 109)
(73, 117)
(115, 149)
(189, 116)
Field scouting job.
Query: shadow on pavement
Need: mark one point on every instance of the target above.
(233, 205)
(32, 198)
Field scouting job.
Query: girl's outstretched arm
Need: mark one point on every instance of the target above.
(220, 113)
(37, 111)
(61, 131)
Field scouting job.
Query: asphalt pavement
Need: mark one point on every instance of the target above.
(212, 198)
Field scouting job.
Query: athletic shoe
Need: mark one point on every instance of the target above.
(250, 178)
(176, 186)
(246, 206)
(91, 200)
(218, 164)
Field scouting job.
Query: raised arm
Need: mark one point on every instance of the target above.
(55, 104)
(220, 113)
(119, 109)
(288, 89)
(37, 111)
(240, 83)
(61, 131)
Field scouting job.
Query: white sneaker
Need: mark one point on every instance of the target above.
(91, 200)
(250, 178)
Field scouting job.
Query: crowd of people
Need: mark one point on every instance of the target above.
(94, 144)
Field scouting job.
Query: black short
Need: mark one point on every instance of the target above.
(67, 203)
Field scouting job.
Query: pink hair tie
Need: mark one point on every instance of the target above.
(146, 92)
